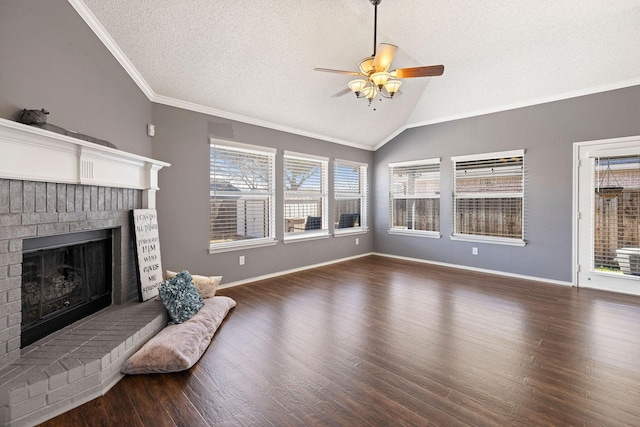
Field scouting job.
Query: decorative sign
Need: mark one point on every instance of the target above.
(147, 248)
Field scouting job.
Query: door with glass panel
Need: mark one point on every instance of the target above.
(608, 238)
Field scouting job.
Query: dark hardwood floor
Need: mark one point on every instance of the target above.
(377, 341)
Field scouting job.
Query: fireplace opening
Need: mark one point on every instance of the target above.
(64, 278)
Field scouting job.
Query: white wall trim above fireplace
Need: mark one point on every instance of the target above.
(32, 154)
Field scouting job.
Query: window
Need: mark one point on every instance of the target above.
(414, 199)
(616, 214)
(489, 197)
(241, 196)
(305, 194)
(350, 192)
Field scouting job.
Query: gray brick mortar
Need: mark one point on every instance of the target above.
(39, 218)
(15, 270)
(9, 284)
(17, 231)
(11, 258)
(15, 245)
(51, 197)
(61, 197)
(10, 220)
(72, 216)
(79, 198)
(15, 196)
(41, 197)
(71, 198)
(49, 229)
(29, 196)
(4, 196)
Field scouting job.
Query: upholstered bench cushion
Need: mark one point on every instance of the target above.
(179, 346)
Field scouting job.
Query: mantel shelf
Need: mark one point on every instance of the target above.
(33, 154)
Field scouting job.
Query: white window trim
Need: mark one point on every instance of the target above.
(488, 239)
(241, 245)
(494, 155)
(252, 243)
(433, 161)
(364, 206)
(415, 233)
(339, 232)
(306, 236)
(312, 234)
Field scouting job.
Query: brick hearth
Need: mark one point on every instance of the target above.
(76, 364)
(82, 361)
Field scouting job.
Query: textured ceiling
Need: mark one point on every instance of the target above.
(253, 61)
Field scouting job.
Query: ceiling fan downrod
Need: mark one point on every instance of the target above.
(375, 4)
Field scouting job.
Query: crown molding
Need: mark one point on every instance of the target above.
(111, 45)
(530, 103)
(186, 105)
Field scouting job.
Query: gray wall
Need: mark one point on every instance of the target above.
(547, 132)
(182, 138)
(52, 59)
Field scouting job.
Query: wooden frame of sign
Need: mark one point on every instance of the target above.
(147, 250)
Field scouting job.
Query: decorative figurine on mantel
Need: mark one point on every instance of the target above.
(38, 118)
(34, 117)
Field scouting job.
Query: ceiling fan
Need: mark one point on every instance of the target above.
(374, 70)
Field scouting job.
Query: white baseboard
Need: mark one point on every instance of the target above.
(423, 261)
(293, 270)
(480, 270)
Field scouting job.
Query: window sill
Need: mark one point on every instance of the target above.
(238, 246)
(303, 237)
(338, 232)
(488, 239)
(415, 233)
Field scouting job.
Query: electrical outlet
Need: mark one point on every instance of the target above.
(241, 259)
(357, 241)
(474, 251)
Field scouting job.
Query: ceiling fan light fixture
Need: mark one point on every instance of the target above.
(366, 65)
(392, 86)
(376, 76)
(380, 79)
(357, 86)
(370, 92)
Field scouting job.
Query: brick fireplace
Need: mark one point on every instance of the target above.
(51, 185)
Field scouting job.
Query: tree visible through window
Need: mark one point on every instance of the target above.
(415, 197)
(241, 195)
(489, 196)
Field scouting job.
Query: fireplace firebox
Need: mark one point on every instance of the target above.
(64, 278)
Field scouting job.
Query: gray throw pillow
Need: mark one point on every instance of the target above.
(180, 297)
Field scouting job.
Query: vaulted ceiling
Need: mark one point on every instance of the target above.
(253, 60)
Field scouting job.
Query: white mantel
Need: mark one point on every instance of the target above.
(32, 154)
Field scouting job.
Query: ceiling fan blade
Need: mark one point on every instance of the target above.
(384, 56)
(428, 71)
(329, 70)
(341, 93)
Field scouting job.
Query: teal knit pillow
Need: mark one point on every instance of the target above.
(180, 297)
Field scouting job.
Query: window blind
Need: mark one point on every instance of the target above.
(350, 192)
(305, 193)
(241, 194)
(616, 214)
(415, 195)
(489, 194)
